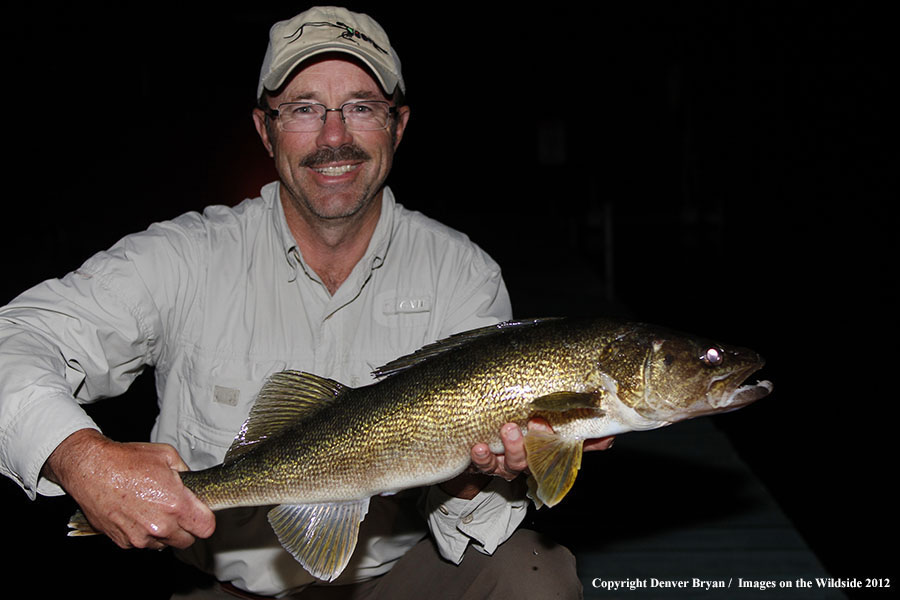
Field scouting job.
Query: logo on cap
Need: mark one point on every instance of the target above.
(348, 33)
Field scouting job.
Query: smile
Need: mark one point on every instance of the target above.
(335, 171)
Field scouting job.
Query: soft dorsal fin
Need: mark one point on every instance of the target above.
(452, 342)
(286, 398)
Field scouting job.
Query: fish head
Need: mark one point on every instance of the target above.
(682, 377)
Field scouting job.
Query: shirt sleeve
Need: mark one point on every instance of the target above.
(485, 521)
(74, 340)
(478, 296)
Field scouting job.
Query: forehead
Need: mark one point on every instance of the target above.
(331, 78)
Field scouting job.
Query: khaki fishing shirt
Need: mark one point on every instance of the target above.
(216, 303)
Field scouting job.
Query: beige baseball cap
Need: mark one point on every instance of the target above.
(328, 29)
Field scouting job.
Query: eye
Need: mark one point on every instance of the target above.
(712, 357)
(668, 360)
(358, 107)
(298, 110)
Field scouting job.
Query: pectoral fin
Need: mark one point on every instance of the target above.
(554, 462)
(321, 537)
(565, 401)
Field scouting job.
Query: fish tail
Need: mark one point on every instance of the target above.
(79, 526)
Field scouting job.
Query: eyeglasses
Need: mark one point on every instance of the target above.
(308, 117)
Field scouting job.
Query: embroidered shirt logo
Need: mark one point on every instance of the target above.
(396, 306)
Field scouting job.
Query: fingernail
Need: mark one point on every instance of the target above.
(513, 433)
(480, 452)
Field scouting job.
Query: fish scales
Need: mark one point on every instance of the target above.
(319, 450)
(353, 448)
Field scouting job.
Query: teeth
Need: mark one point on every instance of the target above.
(335, 171)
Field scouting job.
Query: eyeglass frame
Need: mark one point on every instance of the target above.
(274, 113)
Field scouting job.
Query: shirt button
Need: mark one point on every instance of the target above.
(443, 509)
(467, 519)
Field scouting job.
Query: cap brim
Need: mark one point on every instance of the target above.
(279, 75)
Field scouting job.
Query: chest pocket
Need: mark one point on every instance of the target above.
(215, 401)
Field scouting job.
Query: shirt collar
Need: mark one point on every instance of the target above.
(374, 256)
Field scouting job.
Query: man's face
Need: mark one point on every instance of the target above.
(333, 173)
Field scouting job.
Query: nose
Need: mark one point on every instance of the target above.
(334, 131)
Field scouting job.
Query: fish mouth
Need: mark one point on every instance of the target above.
(732, 391)
(739, 393)
(744, 395)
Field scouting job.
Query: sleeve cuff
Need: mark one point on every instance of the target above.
(38, 433)
(486, 521)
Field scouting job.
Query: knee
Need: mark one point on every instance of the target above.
(531, 565)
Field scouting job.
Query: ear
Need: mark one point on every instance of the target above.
(261, 122)
(400, 126)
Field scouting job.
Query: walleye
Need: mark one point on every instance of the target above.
(319, 450)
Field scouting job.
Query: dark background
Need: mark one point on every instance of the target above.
(726, 168)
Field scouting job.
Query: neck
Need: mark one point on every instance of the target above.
(332, 247)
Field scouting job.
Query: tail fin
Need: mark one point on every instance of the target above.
(79, 526)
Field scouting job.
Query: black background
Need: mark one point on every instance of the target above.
(727, 168)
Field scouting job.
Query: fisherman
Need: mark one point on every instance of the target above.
(323, 272)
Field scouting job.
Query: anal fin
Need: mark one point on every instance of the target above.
(321, 537)
(554, 462)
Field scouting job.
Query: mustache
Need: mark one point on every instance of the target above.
(323, 156)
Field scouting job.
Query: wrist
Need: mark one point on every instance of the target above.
(72, 453)
(466, 485)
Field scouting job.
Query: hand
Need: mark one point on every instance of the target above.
(513, 460)
(510, 463)
(131, 492)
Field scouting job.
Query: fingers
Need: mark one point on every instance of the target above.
(513, 451)
(599, 444)
(483, 460)
(155, 526)
(514, 459)
(198, 519)
(507, 465)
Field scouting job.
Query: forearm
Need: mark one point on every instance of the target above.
(466, 486)
(72, 459)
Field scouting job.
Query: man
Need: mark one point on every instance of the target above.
(323, 272)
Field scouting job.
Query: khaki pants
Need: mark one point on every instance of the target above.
(527, 565)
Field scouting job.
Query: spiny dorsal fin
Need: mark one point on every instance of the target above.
(321, 537)
(454, 341)
(286, 398)
(554, 462)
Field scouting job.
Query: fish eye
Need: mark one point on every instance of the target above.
(712, 357)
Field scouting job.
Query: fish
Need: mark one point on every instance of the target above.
(317, 450)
